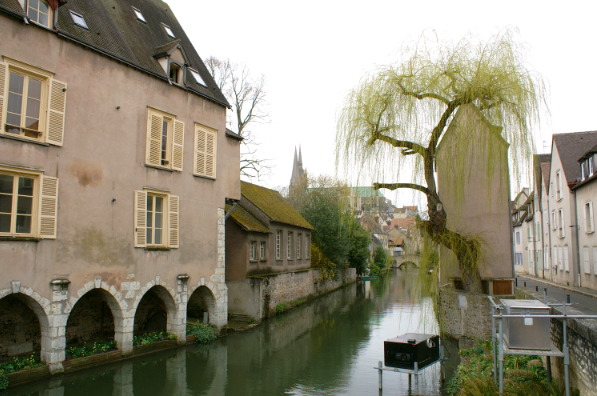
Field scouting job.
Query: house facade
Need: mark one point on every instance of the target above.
(115, 168)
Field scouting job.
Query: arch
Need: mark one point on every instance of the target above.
(407, 263)
(23, 323)
(155, 311)
(95, 315)
(201, 301)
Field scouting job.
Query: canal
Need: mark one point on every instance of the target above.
(327, 346)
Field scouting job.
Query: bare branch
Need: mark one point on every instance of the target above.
(394, 186)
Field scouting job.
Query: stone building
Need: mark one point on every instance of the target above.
(115, 169)
(264, 236)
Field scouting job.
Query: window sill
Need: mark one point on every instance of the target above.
(19, 239)
(253, 261)
(157, 248)
(204, 177)
(263, 261)
(20, 139)
(159, 167)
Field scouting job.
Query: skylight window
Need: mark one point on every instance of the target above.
(168, 30)
(198, 77)
(139, 15)
(78, 20)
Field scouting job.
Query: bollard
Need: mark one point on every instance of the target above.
(516, 281)
(525, 284)
(568, 298)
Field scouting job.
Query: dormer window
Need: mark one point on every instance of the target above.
(78, 20)
(39, 11)
(197, 77)
(168, 30)
(139, 15)
(591, 166)
(175, 73)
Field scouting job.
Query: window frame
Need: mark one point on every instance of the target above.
(308, 249)
(50, 14)
(262, 251)
(14, 204)
(561, 230)
(253, 251)
(559, 195)
(174, 149)
(589, 217)
(279, 245)
(165, 215)
(586, 260)
(289, 245)
(170, 222)
(204, 161)
(298, 246)
(139, 15)
(168, 31)
(73, 16)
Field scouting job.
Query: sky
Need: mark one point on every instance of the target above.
(312, 53)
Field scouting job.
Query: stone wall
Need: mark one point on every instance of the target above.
(582, 341)
(258, 297)
(465, 314)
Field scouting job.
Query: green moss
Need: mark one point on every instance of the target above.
(246, 220)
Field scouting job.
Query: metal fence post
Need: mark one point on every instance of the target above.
(501, 355)
(565, 348)
(493, 339)
(379, 364)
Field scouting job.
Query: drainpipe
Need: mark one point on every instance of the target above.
(230, 210)
(577, 242)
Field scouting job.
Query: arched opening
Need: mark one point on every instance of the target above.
(92, 319)
(200, 306)
(154, 312)
(21, 322)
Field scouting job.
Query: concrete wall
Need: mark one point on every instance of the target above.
(99, 167)
(257, 297)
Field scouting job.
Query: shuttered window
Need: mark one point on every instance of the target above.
(586, 260)
(278, 245)
(205, 151)
(588, 216)
(28, 204)
(32, 103)
(165, 140)
(156, 219)
(566, 264)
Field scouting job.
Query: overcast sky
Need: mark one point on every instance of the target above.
(313, 52)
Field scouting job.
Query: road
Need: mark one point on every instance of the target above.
(584, 303)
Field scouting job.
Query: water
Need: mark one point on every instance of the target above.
(326, 347)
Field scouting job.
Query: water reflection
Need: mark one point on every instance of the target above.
(326, 347)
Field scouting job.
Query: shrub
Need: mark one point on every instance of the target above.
(149, 338)
(3, 381)
(17, 364)
(282, 307)
(204, 332)
(91, 349)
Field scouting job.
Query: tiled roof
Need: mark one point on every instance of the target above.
(538, 161)
(572, 146)
(273, 205)
(366, 192)
(405, 223)
(588, 153)
(115, 31)
(246, 220)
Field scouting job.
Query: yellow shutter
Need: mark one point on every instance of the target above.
(140, 218)
(173, 221)
(56, 110)
(177, 145)
(210, 155)
(199, 160)
(154, 140)
(3, 89)
(48, 207)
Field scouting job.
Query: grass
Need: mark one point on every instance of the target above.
(523, 375)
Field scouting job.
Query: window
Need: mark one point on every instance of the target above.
(588, 215)
(289, 245)
(518, 237)
(530, 259)
(156, 219)
(587, 262)
(278, 245)
(168, 30)
(32, 104)
(561, 224)
(559, 186)
(175, 73)
(253, 251)
(308, 242)
(560, 258)
(546, 257)
(298, 246)
(566, 266)
(78, 20)
(165, 139)
(554, 222)
(205, 151)
(591, 166)
(262, 251)
(139, 15)
(39, 11)
(529, 234)
(538, 229)
(198, 77)
(28, 203)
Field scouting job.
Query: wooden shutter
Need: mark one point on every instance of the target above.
(48, 207)
(177, 145)
(199, 160)
(173, 224)
(154, 139)
(594, 260)
(566, 266)
(56, 111)
(210, 155)
(3, 88)
(140, 218)
(205, 152)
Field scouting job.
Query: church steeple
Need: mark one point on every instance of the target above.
(297, 168)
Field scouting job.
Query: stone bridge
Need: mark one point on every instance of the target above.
(413, 259)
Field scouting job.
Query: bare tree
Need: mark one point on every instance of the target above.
(246, 95)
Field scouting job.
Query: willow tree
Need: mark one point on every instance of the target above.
(399, 115)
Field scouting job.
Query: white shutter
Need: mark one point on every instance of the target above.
(3, 88)
(210, 155)
(140, 218)
(48, 207)
(584, 216)
(56, 111)
(199, 160)
(586, 260)
(595, 260)
(566, 266)
(177, 145)
(173, 221)
(560, 260)
(154, 140)
(591, 222)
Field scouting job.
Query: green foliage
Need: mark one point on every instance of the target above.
(17, 364)
(148, 338)
(381, 261)
(3, 381)
(204, 332)
(91, 349)
(320, 261)
(282, 307)
(359, 240)
(474, 375)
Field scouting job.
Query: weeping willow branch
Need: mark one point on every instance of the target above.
(394, 186)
